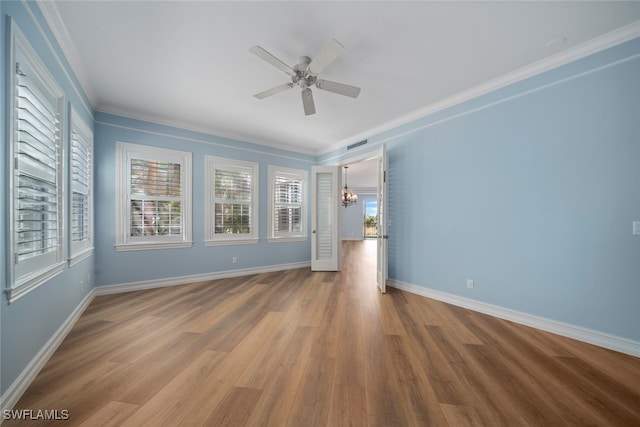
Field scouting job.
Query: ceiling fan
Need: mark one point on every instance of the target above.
(305, 75)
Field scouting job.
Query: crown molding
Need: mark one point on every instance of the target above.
(126, 113)
(51, 14)
(618, 36)
(595, 45)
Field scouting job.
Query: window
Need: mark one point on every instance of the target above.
(35, 106)
(81, 183)
(287, 204)
(370, 218)
(153, 209)
(232, 201)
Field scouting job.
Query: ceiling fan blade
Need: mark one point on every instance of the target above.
(273, 91)
(267, 57)
(339, 88)
(307, 102)
(327, 55)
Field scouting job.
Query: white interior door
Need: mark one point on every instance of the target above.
(325, 218)
(382, 221)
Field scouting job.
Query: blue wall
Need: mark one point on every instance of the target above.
(531, 191)
(28, 323)
(199, 259)
(353, 216)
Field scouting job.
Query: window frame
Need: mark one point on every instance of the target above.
(125, 152)
(79, 250)
(29, 273)
(282, 237)
(212, 163)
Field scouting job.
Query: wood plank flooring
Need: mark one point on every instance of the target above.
(298, 348)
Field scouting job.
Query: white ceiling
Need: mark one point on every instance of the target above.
(362, 174)
(187, 63)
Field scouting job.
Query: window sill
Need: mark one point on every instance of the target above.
(227, 242)
(287, 239)
(81, 256)
(32, 281)
(124, 247)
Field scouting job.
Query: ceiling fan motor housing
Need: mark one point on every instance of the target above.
(302, 77)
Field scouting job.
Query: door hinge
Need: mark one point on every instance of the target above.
(18, 70)
(384, 176)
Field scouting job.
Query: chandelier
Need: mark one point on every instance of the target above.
(348, 197)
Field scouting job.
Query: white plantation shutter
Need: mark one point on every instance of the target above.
(325, 226)
(81, 182)
(35, 184)
(232, 193)
(153, 209)
(232, 199)
(37, 170)
(287, 205)
(155, 198)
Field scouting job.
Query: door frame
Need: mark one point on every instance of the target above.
(371, 155)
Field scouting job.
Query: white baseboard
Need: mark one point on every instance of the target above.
(27, 376)
(590, 336)
(192, 278)
(15, 391)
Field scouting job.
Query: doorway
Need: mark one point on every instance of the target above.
(369, 171)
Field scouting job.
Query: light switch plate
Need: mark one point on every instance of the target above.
(636, 227)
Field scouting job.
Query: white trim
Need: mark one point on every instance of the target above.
(46, 38)
(343, 156)
(124, 112)
(26, 377)
(287, 239)
(193, 278)
(32, 281)
(579, 333)
(80, 256)
(202, 141)
(21, 282)
(231, 242)
(272, 172)
(125, 151)
(51, 14)
(144, 246)
(77, 124)
(598, 44)
(211, 164)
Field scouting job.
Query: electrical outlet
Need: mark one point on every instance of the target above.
(636, 227)
(234, 260)
(469, 284)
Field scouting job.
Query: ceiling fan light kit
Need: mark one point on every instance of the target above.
(305, 74)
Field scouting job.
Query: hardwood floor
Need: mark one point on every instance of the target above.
(322, 349)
